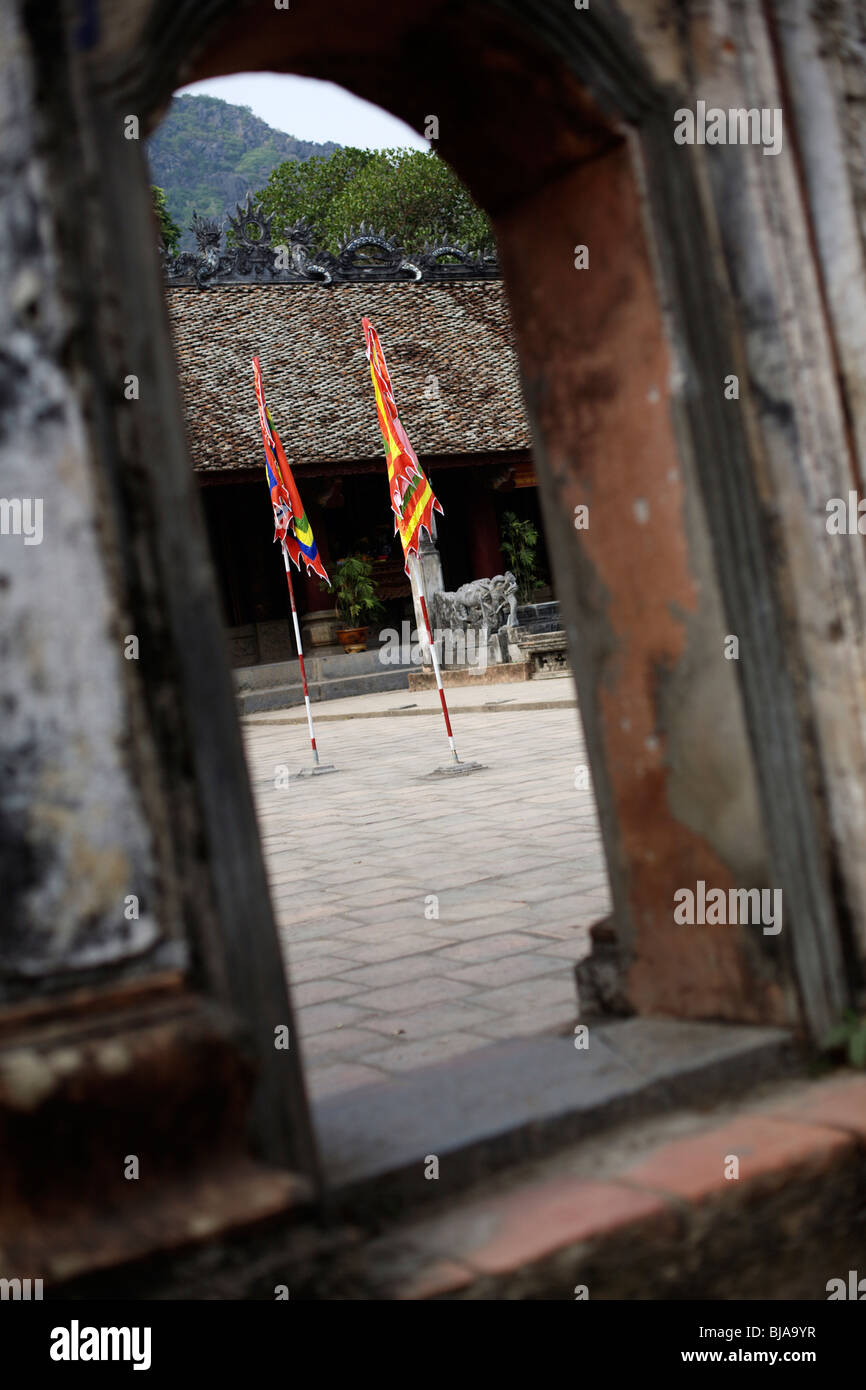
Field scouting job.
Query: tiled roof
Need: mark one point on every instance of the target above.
(454, 336)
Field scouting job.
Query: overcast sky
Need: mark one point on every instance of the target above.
(311, 110)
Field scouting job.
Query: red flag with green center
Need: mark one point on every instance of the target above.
(412, 499)
(293, 531)
(290, 519)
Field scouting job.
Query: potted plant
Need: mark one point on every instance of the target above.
(355, 600)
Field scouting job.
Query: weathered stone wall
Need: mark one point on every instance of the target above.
(790, 251)
(122, 779)
(77, 854)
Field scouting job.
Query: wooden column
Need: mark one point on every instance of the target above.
(484, 534)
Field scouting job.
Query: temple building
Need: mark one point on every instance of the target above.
(444, 324)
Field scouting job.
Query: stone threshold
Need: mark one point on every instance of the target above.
(658, 1211)
(518, 1100)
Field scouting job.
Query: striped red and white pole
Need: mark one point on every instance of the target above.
(288, 564)
(422, 599)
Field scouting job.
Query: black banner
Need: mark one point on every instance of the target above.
(80, 1339)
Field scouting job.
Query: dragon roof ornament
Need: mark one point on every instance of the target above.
(365, 255)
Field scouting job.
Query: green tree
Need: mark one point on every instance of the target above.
(519, 542)
(412, 194)
(309, 189)
(168, 228)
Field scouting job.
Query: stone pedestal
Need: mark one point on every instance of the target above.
(319, 629)
(546, 651)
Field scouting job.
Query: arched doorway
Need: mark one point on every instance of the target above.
(554, 123)
(550, 117)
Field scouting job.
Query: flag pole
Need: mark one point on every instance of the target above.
(288, 564)
(422, 599)
(406, 480)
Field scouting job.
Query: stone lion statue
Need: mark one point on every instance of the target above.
(485, 603)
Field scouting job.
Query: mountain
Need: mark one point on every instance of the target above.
(208, 153)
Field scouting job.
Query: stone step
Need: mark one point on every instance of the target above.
(286, 696)
(334, 666)
(656, 1211)
(526, 1097)
(646, 1208)
(330, 676)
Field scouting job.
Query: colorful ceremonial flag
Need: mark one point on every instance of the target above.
(412, 499)
(290, 519)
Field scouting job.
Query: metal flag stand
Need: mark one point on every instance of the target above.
(318, 769)
(455, 766)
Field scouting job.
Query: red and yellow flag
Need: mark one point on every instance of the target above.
(290, 519)
(412, 499)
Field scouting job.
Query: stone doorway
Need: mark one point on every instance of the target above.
(704, 771)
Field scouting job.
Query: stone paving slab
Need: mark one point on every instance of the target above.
(412, 911)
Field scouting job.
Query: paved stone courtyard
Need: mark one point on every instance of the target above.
(422, 918)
